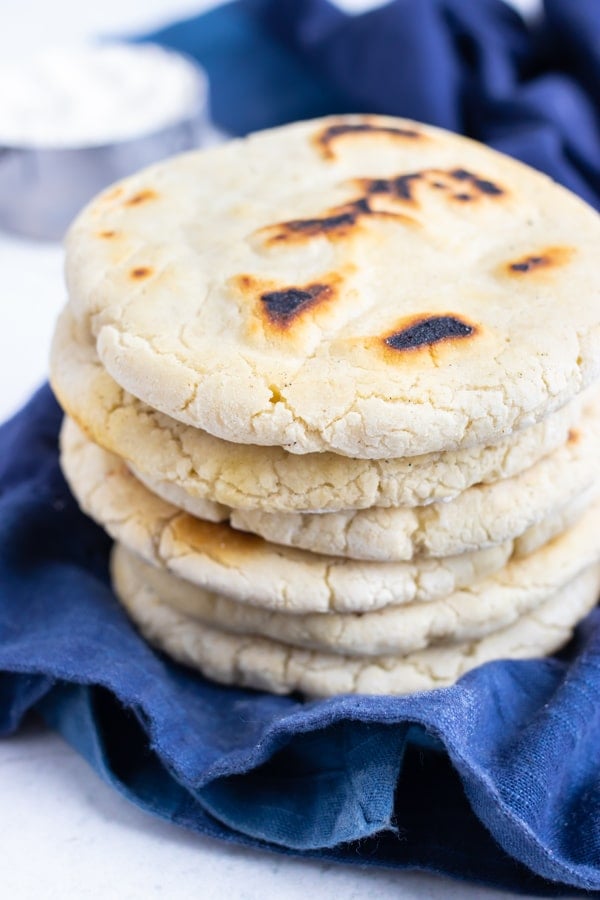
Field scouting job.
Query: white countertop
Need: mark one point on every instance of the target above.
(65, 834)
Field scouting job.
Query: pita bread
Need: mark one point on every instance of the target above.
(205, 469)
(361, 284)
(267, 664)
(469, 614)
(243, 566)
(482, 516)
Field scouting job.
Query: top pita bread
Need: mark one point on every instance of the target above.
(203, 469)
(365, 285)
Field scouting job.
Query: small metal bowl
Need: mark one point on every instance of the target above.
(43, 188)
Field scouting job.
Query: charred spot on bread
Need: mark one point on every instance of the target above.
(326, 138)
(426, 330)
(541, 261)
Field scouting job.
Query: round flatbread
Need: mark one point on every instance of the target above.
(243, 566)
(469, 614)
(243, 476)
(267, 664)
(361, 284)
(251, 570)
(482, 516)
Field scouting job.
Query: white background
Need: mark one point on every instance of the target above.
(63, 833)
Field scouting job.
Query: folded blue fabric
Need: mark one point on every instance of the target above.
(496, 779)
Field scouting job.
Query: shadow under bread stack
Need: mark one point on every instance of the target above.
(333, 390)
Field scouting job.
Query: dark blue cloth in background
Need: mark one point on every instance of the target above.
(469, 65)
(496, 779)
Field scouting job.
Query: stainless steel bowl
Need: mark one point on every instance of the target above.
(43, 188)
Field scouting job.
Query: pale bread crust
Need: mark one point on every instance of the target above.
(465, 615)
(207, 469)
(243, 566)
(523, 544)
(304, 269)
(266, 664)
(251, 570)
(480, 517)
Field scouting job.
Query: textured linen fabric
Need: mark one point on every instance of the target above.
(496, 779)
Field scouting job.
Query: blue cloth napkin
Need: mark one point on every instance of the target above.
(496, 779)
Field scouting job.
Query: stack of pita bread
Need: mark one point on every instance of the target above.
(332, 389)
